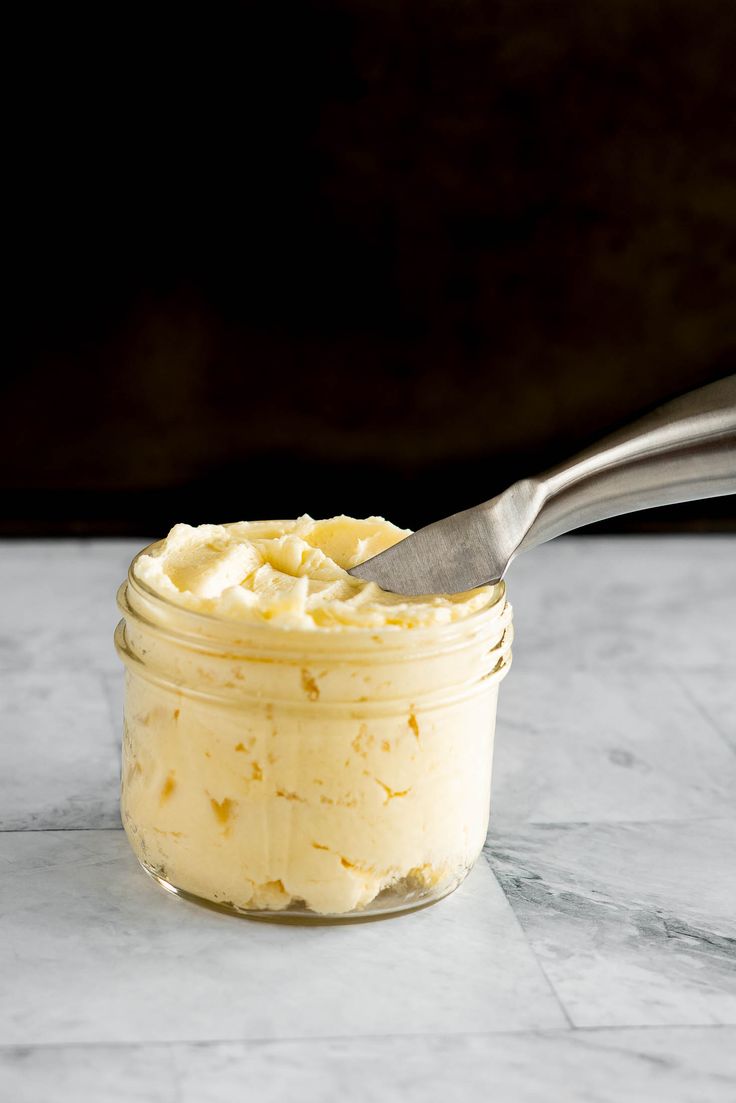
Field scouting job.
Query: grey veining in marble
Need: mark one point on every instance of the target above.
(629, 602)
(589, 957)
(121, 960)
(59, 755)
(713, 692)
(58, 609)
(635, 924)
(604, 1066)
(590, 745)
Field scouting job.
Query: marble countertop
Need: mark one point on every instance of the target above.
(591, 955)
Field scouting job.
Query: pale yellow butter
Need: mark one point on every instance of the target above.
(342, 749)
(293, 574)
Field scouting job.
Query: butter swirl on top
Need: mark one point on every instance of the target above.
(293, 574)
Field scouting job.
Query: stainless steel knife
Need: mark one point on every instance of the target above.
(684, 450)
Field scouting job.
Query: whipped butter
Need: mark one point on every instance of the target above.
(293, 574)
(299, 739)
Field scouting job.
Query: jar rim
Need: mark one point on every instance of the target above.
(279, 633)
(358, 708)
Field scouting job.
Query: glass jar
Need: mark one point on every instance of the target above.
(311, 774)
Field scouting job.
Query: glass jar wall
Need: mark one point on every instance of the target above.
(307, 774)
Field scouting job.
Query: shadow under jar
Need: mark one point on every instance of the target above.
(307, 774)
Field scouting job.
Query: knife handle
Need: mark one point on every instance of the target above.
(682, 451)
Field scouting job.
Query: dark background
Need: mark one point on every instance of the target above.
(359, 257)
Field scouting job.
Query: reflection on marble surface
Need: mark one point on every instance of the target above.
(606, 1066)
(118, 959)
(604, 745)
(634, 924)
(579, 970)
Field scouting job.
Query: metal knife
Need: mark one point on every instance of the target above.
(684, 450)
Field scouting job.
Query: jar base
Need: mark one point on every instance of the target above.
(383, 907)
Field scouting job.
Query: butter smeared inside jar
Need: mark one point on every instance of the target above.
(297, 740)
